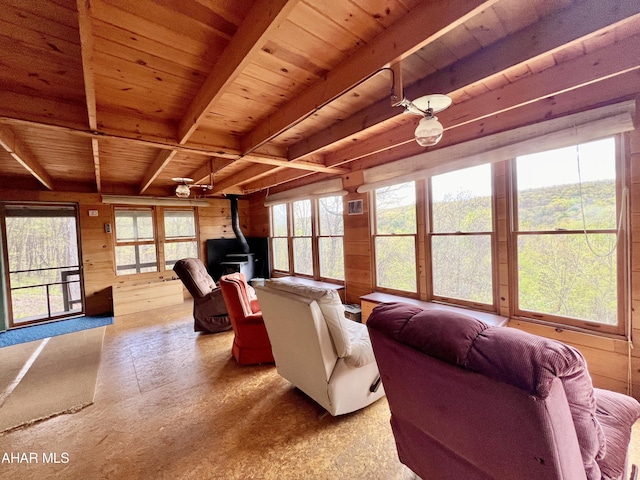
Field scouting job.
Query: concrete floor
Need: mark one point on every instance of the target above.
(173, 404)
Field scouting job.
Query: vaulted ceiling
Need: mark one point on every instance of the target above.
(120, 96)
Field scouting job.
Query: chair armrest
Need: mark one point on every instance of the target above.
(254, 318)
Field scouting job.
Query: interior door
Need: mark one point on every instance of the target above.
(42, 262)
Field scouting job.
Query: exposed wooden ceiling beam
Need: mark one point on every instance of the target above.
(161, 161)
(596, 66)
(622, 86)
(550, 34)
(250, 173)
(264, 17)
(157, 167)
(86, 46)
(600, 65)
(16, 147)
(425, 23)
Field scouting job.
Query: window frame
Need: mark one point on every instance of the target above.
(489, 307)
(622, 166)
(416, 235)
(291, 236)
(176, 240)
(159, 236)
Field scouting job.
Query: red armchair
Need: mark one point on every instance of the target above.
(251, 343)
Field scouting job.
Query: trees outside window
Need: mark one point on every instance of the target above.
(135, 241)
(315, 239)
(395, 237)
(139, 230)
(280, 237)
(179, 236)
(302, 237)
(461, 235)
(569, 252)
(331, 237)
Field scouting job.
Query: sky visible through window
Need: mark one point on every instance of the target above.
(533, 170)
(595, 164)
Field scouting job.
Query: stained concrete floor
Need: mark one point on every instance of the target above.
(171, 403)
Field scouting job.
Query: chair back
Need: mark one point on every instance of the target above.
(478, 402)
(238, 295)
(194, 276)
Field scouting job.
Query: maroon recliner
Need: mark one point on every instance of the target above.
(251, 343)
(474, 402)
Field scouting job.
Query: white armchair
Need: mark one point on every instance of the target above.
(317, 349)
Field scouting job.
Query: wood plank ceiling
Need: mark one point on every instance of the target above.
(120, 96)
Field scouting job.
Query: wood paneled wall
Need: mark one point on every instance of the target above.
(97, 245)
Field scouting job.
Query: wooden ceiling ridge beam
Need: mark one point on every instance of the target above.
(599, 65)
(262, 19)
(16, 147)
(86, 47)
(213, 150)
(247, 174)
(545, 37)
(423, 24)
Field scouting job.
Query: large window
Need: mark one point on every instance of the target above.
(310, 233)
(461, 235)
(139, 230)
(569, 254)
(135, 241)
(395, 237)
(280, 237)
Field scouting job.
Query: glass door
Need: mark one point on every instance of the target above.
(42, 262)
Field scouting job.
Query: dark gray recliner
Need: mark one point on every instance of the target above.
(209, 310)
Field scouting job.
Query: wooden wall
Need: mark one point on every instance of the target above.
(97, 246)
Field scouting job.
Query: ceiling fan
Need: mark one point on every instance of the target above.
(183, 190)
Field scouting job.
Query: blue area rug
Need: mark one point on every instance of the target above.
(46, 330)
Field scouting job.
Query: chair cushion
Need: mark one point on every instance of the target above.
(331, 307)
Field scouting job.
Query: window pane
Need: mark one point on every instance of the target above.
(279, 215)
(280, 254)
(396, 209)
(331, 257)
(135, 259)
(461, 200)
(179, 224)
(557, 187)
(134, 225)
(302, 218)
(561, 275)
(396, 263)
(177, 250)
(330, 213)
(462, 267)
(302, 257)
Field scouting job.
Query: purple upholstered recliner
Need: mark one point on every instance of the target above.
(474, 402)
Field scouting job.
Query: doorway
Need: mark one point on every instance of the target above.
(42, 262)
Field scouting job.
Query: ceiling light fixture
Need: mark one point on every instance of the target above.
(429, 131)
(184, 189)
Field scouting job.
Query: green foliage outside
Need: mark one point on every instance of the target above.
(561, 271)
